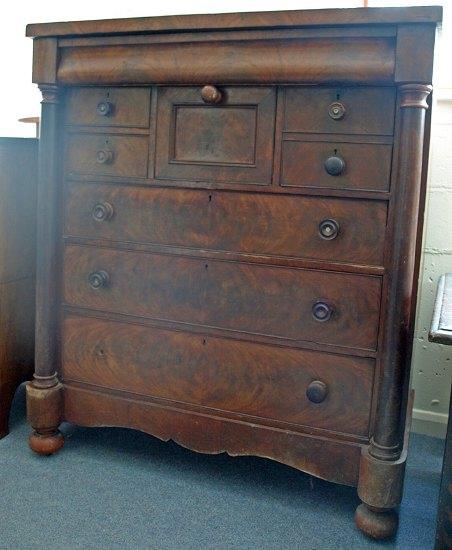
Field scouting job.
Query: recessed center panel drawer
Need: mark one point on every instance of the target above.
(281, 225)
(230, 141)
(224, 374)
(107, 155)
(296, 304)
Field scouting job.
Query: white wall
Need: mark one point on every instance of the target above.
(19, 98)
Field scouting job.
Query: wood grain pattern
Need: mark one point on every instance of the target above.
(364, 60)
(368, 110)
(188, 249)
(129, 155)
(268, 19)
(255, 380)
(227, 142)
(367, 166)
(243, 222)
(129, 106)
(233, 296)
(213, 434)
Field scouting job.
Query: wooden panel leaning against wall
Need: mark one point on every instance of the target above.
(18, 168)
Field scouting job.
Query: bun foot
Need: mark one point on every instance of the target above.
(376, 523)
(46, 444)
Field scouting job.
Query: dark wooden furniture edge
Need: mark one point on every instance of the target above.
(15, 367)
(228, 21)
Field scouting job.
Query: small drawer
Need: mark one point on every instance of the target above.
(304, 388)
(340, 110)
(107, 155)
(108, 107)
(331, 229)
(295, 304)
(225, 139)
(353, 166)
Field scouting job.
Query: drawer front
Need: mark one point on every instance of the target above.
(231, 141)
(354, 166)
(108, 107)
(247, 298)
(340, 110)
(223, 374)
(238, 222)
(107, 155)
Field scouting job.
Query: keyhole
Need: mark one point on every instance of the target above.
(338, 96)
(210, 198)
(206, 267)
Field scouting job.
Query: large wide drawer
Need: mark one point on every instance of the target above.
(229, 141)
(226, 221)
(297, 304)
(226, 375)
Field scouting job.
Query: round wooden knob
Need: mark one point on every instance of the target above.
(321, 311)
(334, 165)
(317, 391)
(102, 211)
(328, 229)
(104, 156)
(104, 108)
(98, 279)
(336, 110)
(211, 94)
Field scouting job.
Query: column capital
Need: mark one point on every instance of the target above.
(414, 95)
(50, 93)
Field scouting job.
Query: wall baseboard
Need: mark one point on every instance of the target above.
(429, 423)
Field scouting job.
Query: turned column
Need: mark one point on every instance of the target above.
(382, 464)
(44, 392)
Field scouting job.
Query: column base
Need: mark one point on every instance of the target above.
(46, 444)
(375, 522)
(44, 411)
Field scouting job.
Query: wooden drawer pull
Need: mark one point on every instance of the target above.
(334, 165)
(328, 229)
(102, 211)
(105, 108)
(98, 279)
(211, 94)
(322, 311)
(104, 156)
(336, 110)
(317, 391)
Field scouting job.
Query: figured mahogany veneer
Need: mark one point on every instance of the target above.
(108, 107)
(242, 297)
(230, 219)
(256, 380)
(249, 223)
(365, 165)
(107, 155)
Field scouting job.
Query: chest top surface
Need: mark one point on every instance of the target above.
(361, 46)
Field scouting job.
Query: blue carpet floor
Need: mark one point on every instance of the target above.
(120, 489)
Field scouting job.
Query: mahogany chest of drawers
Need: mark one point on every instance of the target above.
(229, 217)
